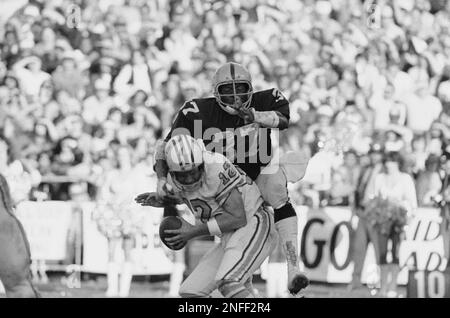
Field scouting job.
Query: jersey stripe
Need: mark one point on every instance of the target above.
(231, 184)
(192, 150)
(258, 246)
(259, 252)
(258, 223)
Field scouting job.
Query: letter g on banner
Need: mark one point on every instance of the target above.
(319, 243)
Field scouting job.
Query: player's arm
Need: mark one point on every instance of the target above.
(231, 219)
(183, 124)
(277, 115)
(271, 119)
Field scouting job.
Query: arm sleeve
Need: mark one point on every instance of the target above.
(183, 123)
(279, 103)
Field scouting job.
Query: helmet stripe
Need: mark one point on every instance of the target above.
(177, 152)
(192, 151)
(185, 148)
(232, 71)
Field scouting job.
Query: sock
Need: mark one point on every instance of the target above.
(113, 280)
(271, 281)
(176, 279)
(125, 279)
(287, 227)
(249, 285)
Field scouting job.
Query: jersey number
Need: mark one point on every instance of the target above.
(277, 94)
(243, 143)
(201, 207)
(229, 173)
(190, 107)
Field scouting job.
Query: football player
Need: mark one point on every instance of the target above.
(15, 257)
(237, 122)
(226, 203)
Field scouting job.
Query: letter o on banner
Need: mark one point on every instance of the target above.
(333, 242)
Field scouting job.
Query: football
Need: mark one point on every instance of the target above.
(169, 223)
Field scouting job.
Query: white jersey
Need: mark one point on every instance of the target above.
(218, 180)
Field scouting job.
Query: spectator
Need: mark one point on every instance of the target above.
(399, 187)
(428, 183)
(97, 106)
(420, 118)
(365, 233)
(30, 75)
(344, 181)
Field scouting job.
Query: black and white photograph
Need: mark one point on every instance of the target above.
(250, 149)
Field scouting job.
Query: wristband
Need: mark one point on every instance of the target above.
(267, 118)
(213, 227)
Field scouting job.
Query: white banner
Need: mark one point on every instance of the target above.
(46, 225)
(149, 257)
(325, 249)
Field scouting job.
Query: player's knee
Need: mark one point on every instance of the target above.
(284, 212)
(273, 189)
(232, 289)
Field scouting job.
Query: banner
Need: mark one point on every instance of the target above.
(149, 256)
(325, 244)
(46, 225)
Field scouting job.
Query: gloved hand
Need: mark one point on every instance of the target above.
(248, 114)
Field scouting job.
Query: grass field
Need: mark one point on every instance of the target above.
(158, 288)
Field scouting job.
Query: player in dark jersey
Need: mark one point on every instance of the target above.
(237, 122)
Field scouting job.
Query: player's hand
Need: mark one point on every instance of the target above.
(248, 114)
(152, 199)
(182, 235)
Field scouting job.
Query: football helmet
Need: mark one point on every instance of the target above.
(231, 75)
(184, 157)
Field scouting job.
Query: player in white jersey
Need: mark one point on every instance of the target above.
(226, 203)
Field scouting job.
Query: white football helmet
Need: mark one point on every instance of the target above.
(232, 73)
(184, 154)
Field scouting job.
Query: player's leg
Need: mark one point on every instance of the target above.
(113, 268)
(126, 275)
(359, 244)
(201, 282)
(394, 267)
(176, 276)
(382, 241)
(15, 256)
(245, 251)
(273, 186)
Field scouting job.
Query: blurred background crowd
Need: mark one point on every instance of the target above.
(82, 81)
(87, 87)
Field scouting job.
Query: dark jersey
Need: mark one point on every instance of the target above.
(246, 145)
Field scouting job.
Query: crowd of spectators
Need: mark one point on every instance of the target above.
(83, 81)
